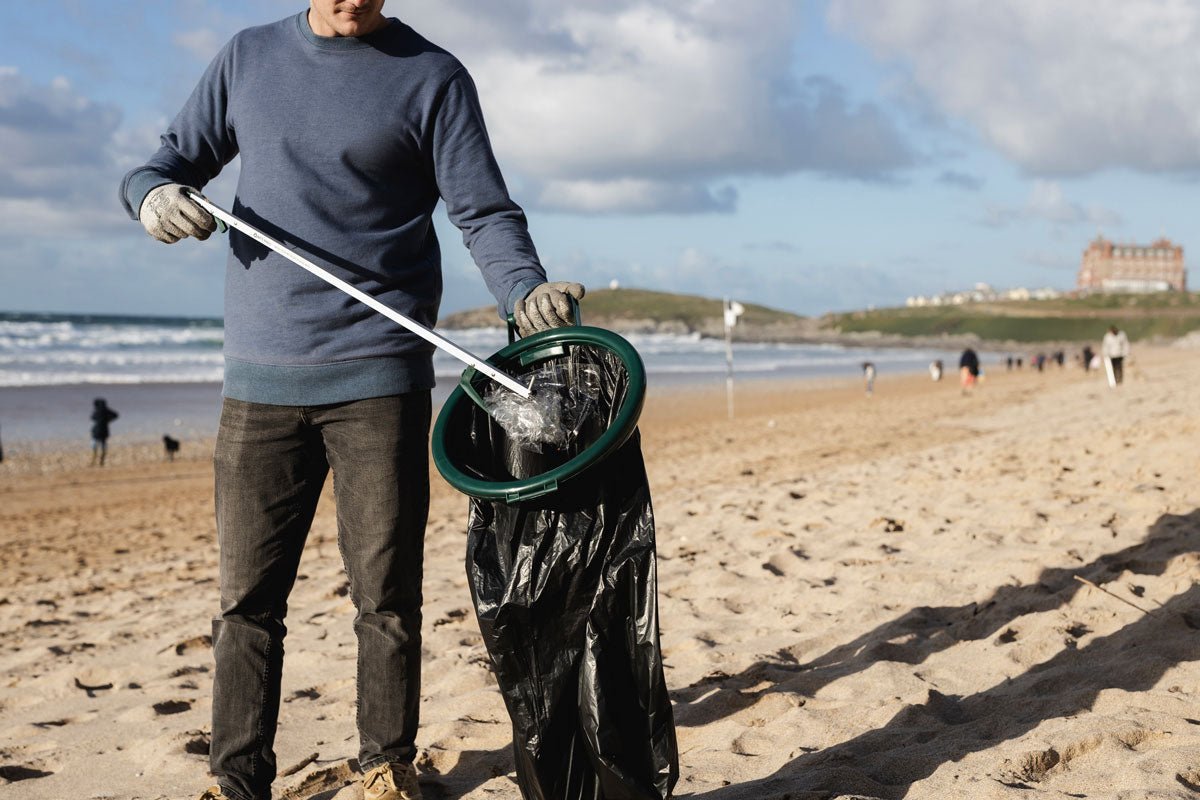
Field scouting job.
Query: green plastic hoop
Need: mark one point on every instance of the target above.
(525, 352)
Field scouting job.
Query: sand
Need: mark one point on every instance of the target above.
(913, 595)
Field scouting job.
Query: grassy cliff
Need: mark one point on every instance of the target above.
(1083, 319)
(647, 310)
(1167, 315)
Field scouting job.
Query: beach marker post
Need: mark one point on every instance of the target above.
(732, 310)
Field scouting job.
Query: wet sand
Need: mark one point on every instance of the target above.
(913, 595)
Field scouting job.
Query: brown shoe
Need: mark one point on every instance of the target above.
(391, 782)
(214, 793)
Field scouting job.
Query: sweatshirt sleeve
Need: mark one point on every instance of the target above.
(494, 228)
(197, 145)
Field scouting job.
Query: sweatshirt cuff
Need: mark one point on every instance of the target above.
(518, 294)
(139, 185)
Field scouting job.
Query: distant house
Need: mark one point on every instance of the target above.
(982, 293)
(1110, 267)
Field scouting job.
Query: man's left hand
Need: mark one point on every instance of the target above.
(547, 306)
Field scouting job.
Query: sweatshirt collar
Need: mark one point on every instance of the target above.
(340, 42)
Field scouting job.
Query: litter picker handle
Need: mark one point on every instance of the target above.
(576, 315)
(395, 316)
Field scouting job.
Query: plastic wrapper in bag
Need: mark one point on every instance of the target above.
(565, 591)
(564, 397)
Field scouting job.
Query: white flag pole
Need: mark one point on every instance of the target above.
(730, 312)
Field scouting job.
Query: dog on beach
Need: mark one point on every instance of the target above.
(171, 447)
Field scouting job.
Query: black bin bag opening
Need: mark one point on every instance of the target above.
(565, 592)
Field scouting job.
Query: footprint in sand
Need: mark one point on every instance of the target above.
(172, 707)
(453, 615)
(310, 693)
(326, 781)
(17, 772)
(1190, 779)
(195, 643)
(198, 743)
(69, 649)
(189, 670)
(51, 723)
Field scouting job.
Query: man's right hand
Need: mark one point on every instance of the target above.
(169, 215)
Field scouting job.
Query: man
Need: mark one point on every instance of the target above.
(350, 126)
(1114, 349)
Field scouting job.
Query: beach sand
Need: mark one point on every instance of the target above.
(913, 595)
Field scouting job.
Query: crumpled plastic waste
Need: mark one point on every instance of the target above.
(564, 395)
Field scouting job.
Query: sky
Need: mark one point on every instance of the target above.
(808, 156)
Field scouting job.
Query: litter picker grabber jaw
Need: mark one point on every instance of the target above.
(435, 339)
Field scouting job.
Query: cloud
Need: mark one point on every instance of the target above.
(960, 180)
(201, 43)
(1048, 202)
(588, 99)
(774, 246)
(1061, 88)
(777, 280)
(112, 274)
(634, 196)
(59, 157)
(1053, 260)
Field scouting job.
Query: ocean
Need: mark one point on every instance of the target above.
(163, 374)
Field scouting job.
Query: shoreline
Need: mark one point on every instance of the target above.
(142, 445)
(56, 417)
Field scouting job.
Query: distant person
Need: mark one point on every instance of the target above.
(1039, 361)
(1060, 358)
(1088, 355)
(935, 370)
(1115, 349)
(101, 416)
(968, 370)
(1020, 362)
(1008, 363)
(170, 447)
(869, 377)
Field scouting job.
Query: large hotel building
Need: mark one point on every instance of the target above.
(1109, 267)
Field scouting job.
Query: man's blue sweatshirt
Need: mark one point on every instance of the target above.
(346, 145)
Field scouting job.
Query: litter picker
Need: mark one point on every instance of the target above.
(436, 340)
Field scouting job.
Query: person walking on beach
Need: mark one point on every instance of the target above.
(102, 415)
(1115, 349)
(968, 370)
(935, 370)
(350, 126)
(868, 369)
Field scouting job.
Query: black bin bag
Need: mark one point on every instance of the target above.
(565, 592)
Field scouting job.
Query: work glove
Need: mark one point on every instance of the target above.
(169, 215)
(547, 306)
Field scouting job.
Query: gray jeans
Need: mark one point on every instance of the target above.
(271, 462)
